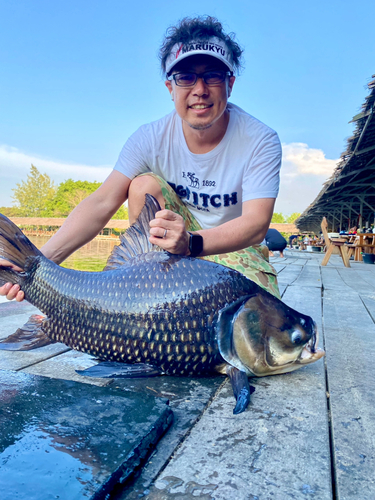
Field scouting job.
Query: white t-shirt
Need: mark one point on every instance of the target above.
(244, 165)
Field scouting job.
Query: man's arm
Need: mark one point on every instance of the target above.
(82, 225)
(248, 229)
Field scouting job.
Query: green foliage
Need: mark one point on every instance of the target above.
(278, 218)
(10, 211)
(33, 195)
(122, 213)
(292, 217)
(69, 194)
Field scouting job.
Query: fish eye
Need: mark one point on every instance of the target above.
(296, 337)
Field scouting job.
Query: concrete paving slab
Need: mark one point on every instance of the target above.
(64, 367)
(289, 274)
(282, 288)
(277, 449)
(278, 267)
(350, 343)
(11, 308)
(309, 276)
(369, 302)
(188, 398)
(72, 441)
(355, 281)
(18, 360)
(331, 279)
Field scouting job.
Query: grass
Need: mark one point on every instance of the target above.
(93, 264)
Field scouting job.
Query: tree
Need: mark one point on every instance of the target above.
(10, 211)
(70, 193)
(122, 213)
(292, 217)
(32, 196)
(278, 218)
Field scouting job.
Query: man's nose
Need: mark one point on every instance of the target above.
(200, 87)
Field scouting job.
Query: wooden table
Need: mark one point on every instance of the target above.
(365, 243)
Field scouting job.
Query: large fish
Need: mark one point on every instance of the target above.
(150, 312)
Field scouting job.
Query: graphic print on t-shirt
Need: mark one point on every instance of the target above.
(202, 201)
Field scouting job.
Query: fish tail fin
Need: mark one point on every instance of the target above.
(16, 248)
(135, 240)
(14, 245)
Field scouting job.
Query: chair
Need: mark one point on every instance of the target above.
(331, 243)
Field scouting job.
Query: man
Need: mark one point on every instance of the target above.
(291, 238)
(275, 242)
(213, 168)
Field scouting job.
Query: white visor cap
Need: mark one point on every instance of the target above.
(214, 47)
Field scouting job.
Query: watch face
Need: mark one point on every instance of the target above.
(195, 244)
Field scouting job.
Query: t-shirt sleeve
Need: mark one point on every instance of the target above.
(134, 158)
(262, 175)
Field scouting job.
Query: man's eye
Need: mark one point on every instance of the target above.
(186, 78)
(213, 74)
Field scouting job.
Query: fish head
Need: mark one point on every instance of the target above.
(270, 338)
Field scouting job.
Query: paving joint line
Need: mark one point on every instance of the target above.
(42, 360)
(329, 411)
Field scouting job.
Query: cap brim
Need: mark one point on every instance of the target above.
(198, 53)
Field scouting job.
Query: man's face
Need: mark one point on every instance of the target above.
(202, 105)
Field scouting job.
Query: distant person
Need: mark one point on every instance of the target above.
(275, 242)
(291, 239)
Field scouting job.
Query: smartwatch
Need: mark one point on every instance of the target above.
(195, 244)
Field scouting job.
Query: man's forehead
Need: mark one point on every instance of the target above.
(201, 62)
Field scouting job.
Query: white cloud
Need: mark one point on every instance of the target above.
(15, 165)
(303, 173)
(299, 159)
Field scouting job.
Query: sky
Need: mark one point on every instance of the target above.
(77, 78)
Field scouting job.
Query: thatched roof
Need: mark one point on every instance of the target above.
(350, 191)
(57, 222)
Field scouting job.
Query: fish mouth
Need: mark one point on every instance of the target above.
(311, 352)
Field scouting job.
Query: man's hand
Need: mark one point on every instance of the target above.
(168, 232)
(9, 290)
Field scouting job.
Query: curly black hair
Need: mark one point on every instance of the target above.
(198, 28)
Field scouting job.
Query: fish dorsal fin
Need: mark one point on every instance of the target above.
(135, 240)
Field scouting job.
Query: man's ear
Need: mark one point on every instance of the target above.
(232, 79)
(168, 84)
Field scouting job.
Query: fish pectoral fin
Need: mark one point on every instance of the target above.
(30, 336)
(241, 389)
(114, 369)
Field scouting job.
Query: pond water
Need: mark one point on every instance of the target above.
(91, 257)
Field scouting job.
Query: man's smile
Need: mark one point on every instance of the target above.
(200, 106)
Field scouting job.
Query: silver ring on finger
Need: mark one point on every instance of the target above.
(165, 233)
